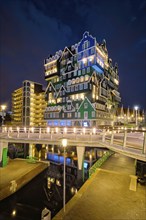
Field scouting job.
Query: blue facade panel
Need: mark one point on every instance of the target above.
(98, 68)
(86, 37)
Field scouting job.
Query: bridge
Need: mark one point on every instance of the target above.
(130, 142)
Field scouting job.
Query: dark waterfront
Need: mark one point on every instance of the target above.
(29, 201)
(46, 190)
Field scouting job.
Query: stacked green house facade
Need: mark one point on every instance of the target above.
(82, 85)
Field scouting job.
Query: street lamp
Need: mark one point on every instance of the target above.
(3, 108)
(64, 144)
(136, 109)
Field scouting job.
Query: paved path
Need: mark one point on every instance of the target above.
(107, 195)
(16, 174)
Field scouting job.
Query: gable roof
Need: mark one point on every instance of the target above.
(86, 99)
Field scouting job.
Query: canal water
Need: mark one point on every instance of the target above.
(29, 201)
(45, 190)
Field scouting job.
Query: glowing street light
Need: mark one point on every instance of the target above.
(64, 144)
(136, 109)
(3, 108)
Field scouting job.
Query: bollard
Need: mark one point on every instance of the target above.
(112, 137)
(125, 138)
(144, 144)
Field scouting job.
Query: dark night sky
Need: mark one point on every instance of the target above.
(30, 30)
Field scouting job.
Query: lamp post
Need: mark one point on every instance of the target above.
(136, 109)
(3, 108)
(64, 144)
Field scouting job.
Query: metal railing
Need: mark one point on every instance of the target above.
(126, 141)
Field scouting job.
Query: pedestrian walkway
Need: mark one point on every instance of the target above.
(107, 195)
(16, 174)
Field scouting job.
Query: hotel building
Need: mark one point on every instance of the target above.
(82, 85)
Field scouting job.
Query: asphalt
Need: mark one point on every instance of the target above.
(112, 193)
(16, 174)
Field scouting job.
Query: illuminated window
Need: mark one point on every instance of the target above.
(69, 115)
(73, 81)
(86, 77)
(82, 79)
(79, 114)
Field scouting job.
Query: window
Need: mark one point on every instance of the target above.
(85, 85)
(68, 89)
(62, 115)
(86, 53)
(73, 81)
(86, 44)
(69, 75)
(86, 105)
(77, 105)
(88, 70)
(72, 89)
(64, 76)
(69, 82)
(63, 99)
(75, 57)
(69, 67)
(82, 79)
(76, 114)
(83, 71)
(79, 72)
(79, 65)
(86, 77)
(75, 73)
(76, 88)
(77, 80)
(79, 56)
(81, 86)
(92, 50)
(69, 115)
(93, 114)
(85, 115)
(79, 114)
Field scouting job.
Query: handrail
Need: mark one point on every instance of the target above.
(123, 140)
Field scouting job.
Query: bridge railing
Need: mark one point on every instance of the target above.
(133, 140)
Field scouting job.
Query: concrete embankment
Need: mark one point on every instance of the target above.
(16, 174)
